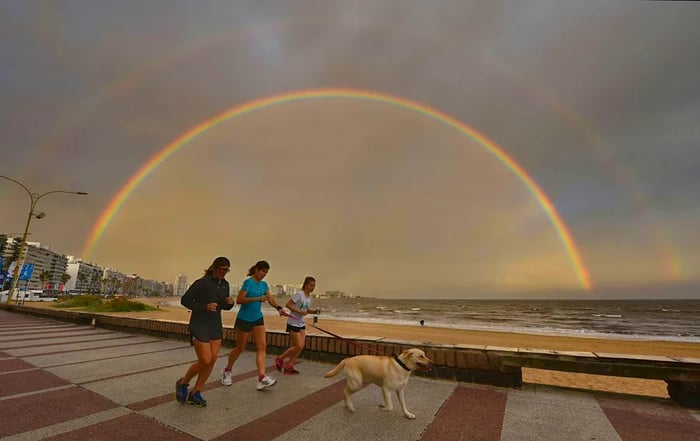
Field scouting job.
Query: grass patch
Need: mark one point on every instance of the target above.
(88, 302)
(94, 303)
(123, 305)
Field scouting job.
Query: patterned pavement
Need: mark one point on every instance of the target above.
(60, 381)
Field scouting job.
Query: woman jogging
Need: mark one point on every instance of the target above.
(253, 294)
(205, 298)
(299, 306)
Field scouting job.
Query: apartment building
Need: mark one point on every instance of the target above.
(49, 266)
(112, 282)
(85, 277)
(290, 290)
(181, 285)
(135, 286)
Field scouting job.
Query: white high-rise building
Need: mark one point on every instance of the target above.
(48, 265)
(181, 285)
(85, 277)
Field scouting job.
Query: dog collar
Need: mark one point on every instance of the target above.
(396, 357)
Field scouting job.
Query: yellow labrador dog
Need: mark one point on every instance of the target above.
(389, 373)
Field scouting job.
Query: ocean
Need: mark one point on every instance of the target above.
(670, 320)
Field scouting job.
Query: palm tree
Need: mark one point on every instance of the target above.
(44, 276)
(82, 278)
(65, 277)
(104, 285)
(116, 285)
(110, 282)
(116, 282)
(94, 280)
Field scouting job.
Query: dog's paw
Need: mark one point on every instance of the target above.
(409, 415)
(385, 408)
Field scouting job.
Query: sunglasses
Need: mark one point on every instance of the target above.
(225, 269)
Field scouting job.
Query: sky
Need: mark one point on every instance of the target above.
(447, 149)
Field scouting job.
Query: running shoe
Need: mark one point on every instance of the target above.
(279, 363)
(196, 399)
(181, 391)
(227, 378)
(265, 383)
(289, 370)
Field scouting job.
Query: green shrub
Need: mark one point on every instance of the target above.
(94, 303)
(123, 305)
(78, 302)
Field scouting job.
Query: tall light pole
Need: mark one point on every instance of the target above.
(34, 198)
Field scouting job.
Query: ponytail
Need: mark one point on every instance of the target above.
(260, 265)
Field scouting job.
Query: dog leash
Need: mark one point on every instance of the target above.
(282, 312)
(349, 341)
(394, 356)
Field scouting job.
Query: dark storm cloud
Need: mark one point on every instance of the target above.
(597, 101)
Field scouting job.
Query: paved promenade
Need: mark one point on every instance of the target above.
(60, 381)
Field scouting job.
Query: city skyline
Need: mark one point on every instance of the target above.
(38, 254)
(390, 149)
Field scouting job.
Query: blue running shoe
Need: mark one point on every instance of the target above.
(195, 399)
(181, 391)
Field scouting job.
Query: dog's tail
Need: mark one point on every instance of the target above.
(333, 372)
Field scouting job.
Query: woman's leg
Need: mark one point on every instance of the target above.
(289, 350)
(203, 351)
(260, 346)
(241, 340)
(211, 352)
(299, 339)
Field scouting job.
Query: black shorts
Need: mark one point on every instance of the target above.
(206, 333)
(246, 326)
(291, 328)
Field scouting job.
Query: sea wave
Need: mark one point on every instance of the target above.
(540, 330)
(638, 320)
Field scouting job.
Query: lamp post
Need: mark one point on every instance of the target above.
(34, 198)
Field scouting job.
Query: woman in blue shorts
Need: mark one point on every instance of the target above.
(205, 298)
(253, 294)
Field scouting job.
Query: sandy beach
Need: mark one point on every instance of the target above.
(167, 310)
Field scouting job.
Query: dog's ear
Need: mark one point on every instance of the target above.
(406, 354)
(410, 356)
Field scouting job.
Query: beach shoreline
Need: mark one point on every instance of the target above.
(168, 309)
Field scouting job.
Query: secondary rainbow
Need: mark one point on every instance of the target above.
(557, 222)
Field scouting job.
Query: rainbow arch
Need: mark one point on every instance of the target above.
(161, 156)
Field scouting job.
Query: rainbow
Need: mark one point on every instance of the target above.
(123, 194)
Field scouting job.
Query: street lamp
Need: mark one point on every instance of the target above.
(34, 198)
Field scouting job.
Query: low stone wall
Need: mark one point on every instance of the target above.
(466, 363)
(82, 318)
